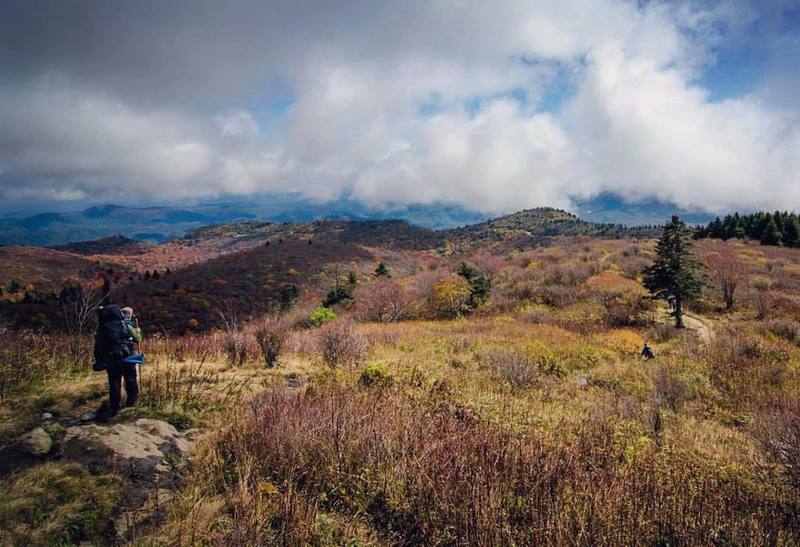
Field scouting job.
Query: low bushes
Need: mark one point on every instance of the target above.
(515, 368)
(375, 375)
(28, 358)
(342, 344)
(271, 335)
(782, 328)
(417, 472)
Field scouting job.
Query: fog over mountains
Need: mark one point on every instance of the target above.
(159, 224)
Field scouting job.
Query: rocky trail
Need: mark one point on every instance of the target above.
(147, 454)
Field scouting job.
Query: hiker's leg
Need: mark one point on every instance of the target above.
(131, 384)
(114, 387)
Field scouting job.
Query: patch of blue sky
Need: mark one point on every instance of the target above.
(736, 73)
(272, 113)
(431, 106)
(475, 105)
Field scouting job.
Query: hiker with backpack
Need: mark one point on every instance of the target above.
(112, 349)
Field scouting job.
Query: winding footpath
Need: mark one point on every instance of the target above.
(697, 324)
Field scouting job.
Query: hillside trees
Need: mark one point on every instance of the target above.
(776, 228)
(771, 234)
(674, 272)
(791, 231)
(340, 293)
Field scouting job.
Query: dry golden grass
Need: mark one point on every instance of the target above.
(530, 421)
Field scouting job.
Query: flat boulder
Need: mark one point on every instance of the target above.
(146, 453)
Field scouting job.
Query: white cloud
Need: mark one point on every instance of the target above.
(238, 125)
(170, 121)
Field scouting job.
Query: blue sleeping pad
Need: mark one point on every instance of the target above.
(135, 359)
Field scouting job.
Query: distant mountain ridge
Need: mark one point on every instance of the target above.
(160, 224)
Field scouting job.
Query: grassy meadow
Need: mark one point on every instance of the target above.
(414, 418)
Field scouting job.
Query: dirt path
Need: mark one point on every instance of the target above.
(695, 323)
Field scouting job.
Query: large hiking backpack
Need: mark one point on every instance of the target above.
(111, 339)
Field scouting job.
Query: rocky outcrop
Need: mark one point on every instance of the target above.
(146, 453)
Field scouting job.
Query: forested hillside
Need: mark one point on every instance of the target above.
(778, 228)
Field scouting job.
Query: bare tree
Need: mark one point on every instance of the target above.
(728, 272)
(383, 300)
(80, 304)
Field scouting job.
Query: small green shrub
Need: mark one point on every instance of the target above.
(375, 375)
(320, 316)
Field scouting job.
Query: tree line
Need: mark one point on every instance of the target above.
(778, 228)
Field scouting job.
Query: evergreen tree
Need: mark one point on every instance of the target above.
(770, 235)
(727, 227)
(791, 233)
(480, 286)
(339, 294)
(777, 217)
(352, 280)
(382, 270)
(760, 222)
(289, 294)
(738, 226)
(674, 273)
(716, 229)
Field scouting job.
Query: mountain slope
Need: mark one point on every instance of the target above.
(535, 226)
(160, 224)
(44, 269)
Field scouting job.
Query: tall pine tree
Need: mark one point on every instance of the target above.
(791, 231)
(674, 273)
(771, 234)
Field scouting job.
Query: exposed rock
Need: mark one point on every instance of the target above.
(36, 442)
(47, 416)
(146, 453)
(144, 444)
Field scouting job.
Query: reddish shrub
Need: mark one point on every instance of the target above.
(342, 344)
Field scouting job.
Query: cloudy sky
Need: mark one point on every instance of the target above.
(494, 105)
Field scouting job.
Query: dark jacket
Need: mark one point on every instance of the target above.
(111, 339)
